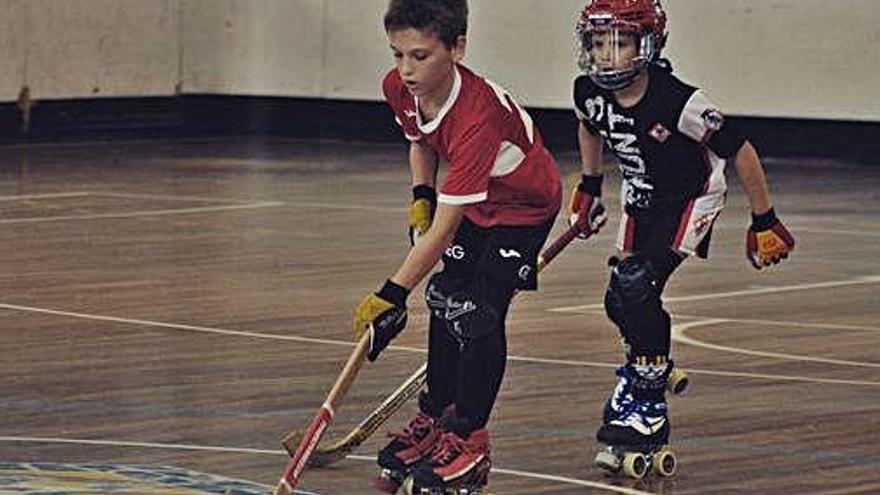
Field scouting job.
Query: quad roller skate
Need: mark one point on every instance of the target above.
(637, 442)
(635, 429)
(459, 466)
(410, 446)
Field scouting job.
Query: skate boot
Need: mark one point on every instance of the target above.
(620, 398)
(417, 440)
(458, 466)
(636, 436)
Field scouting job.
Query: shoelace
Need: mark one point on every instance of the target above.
(415, 431)
(643, 408)
(449, 447)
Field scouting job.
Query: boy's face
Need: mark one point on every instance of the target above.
(424, 62)
(613, 49)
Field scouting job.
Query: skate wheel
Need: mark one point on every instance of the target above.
(664, 463)
(635, 465)
(409, 486)
(678, 382)
(607, 461)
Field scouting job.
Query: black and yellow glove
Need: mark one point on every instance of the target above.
(383, 315)
(421, 211)
(767, 240)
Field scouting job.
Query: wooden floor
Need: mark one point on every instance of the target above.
(184, 304)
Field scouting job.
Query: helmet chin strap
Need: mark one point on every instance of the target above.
(616, 80)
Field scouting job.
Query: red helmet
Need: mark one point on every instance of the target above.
(645, 19)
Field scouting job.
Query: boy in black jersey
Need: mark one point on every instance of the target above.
(672, 145)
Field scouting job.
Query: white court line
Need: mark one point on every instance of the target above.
(346, 343)
(75, 194)
(871, 279)
(859, 233)
(348, 207)
(170, 197)
(544, 477)
(149, 213)
(173, 446)
(779, 323)
(679, 336)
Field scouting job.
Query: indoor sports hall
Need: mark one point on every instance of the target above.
(196, 194)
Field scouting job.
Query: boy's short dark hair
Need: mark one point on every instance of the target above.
(445, 18)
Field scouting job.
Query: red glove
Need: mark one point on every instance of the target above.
(767, 240)
(586, 209)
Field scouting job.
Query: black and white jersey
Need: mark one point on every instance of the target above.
(671, 146)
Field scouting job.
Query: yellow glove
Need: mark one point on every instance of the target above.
(382, 315)
(767, 240)
(421, 211)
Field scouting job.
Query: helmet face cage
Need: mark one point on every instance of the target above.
(609, 21)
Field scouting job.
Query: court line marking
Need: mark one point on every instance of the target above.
(678, 335)
(235, 205)
(171, 197)
(149, 213)
(73, 194)
(859, 233)
(782, 323)
(348, 207)
(869, 279)
(244, 450)
(347, 343)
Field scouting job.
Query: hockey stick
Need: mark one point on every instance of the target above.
(334, 451)
(338, 449)
(293, 470)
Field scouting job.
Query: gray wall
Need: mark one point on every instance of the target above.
(775, 58)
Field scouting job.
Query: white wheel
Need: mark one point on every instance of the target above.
(664, 463)
(678, 382)
(408, 487)
(635, 465)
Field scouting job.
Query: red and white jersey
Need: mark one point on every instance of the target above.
(498, 167)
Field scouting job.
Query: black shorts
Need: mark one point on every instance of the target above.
(507, 256)
(682, 226)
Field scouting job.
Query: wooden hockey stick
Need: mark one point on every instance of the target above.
(328, 454)
(293, 470)
(334, 451)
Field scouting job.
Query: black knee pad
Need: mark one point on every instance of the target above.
(438, 289)
(476, 310)
(634, 288)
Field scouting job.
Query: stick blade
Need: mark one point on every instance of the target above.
(323, 455)
(283, 488)
(291, 441)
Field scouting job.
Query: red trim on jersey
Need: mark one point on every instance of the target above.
(629, 235)
(683, 224)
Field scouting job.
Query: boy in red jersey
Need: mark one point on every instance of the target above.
(487, 221)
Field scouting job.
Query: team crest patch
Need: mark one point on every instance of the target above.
(713, 119)
(660, 133)
(32, 478)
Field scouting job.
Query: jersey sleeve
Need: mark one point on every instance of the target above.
(472, 157)
(702, 121)
(394, 95)
(583, 90)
